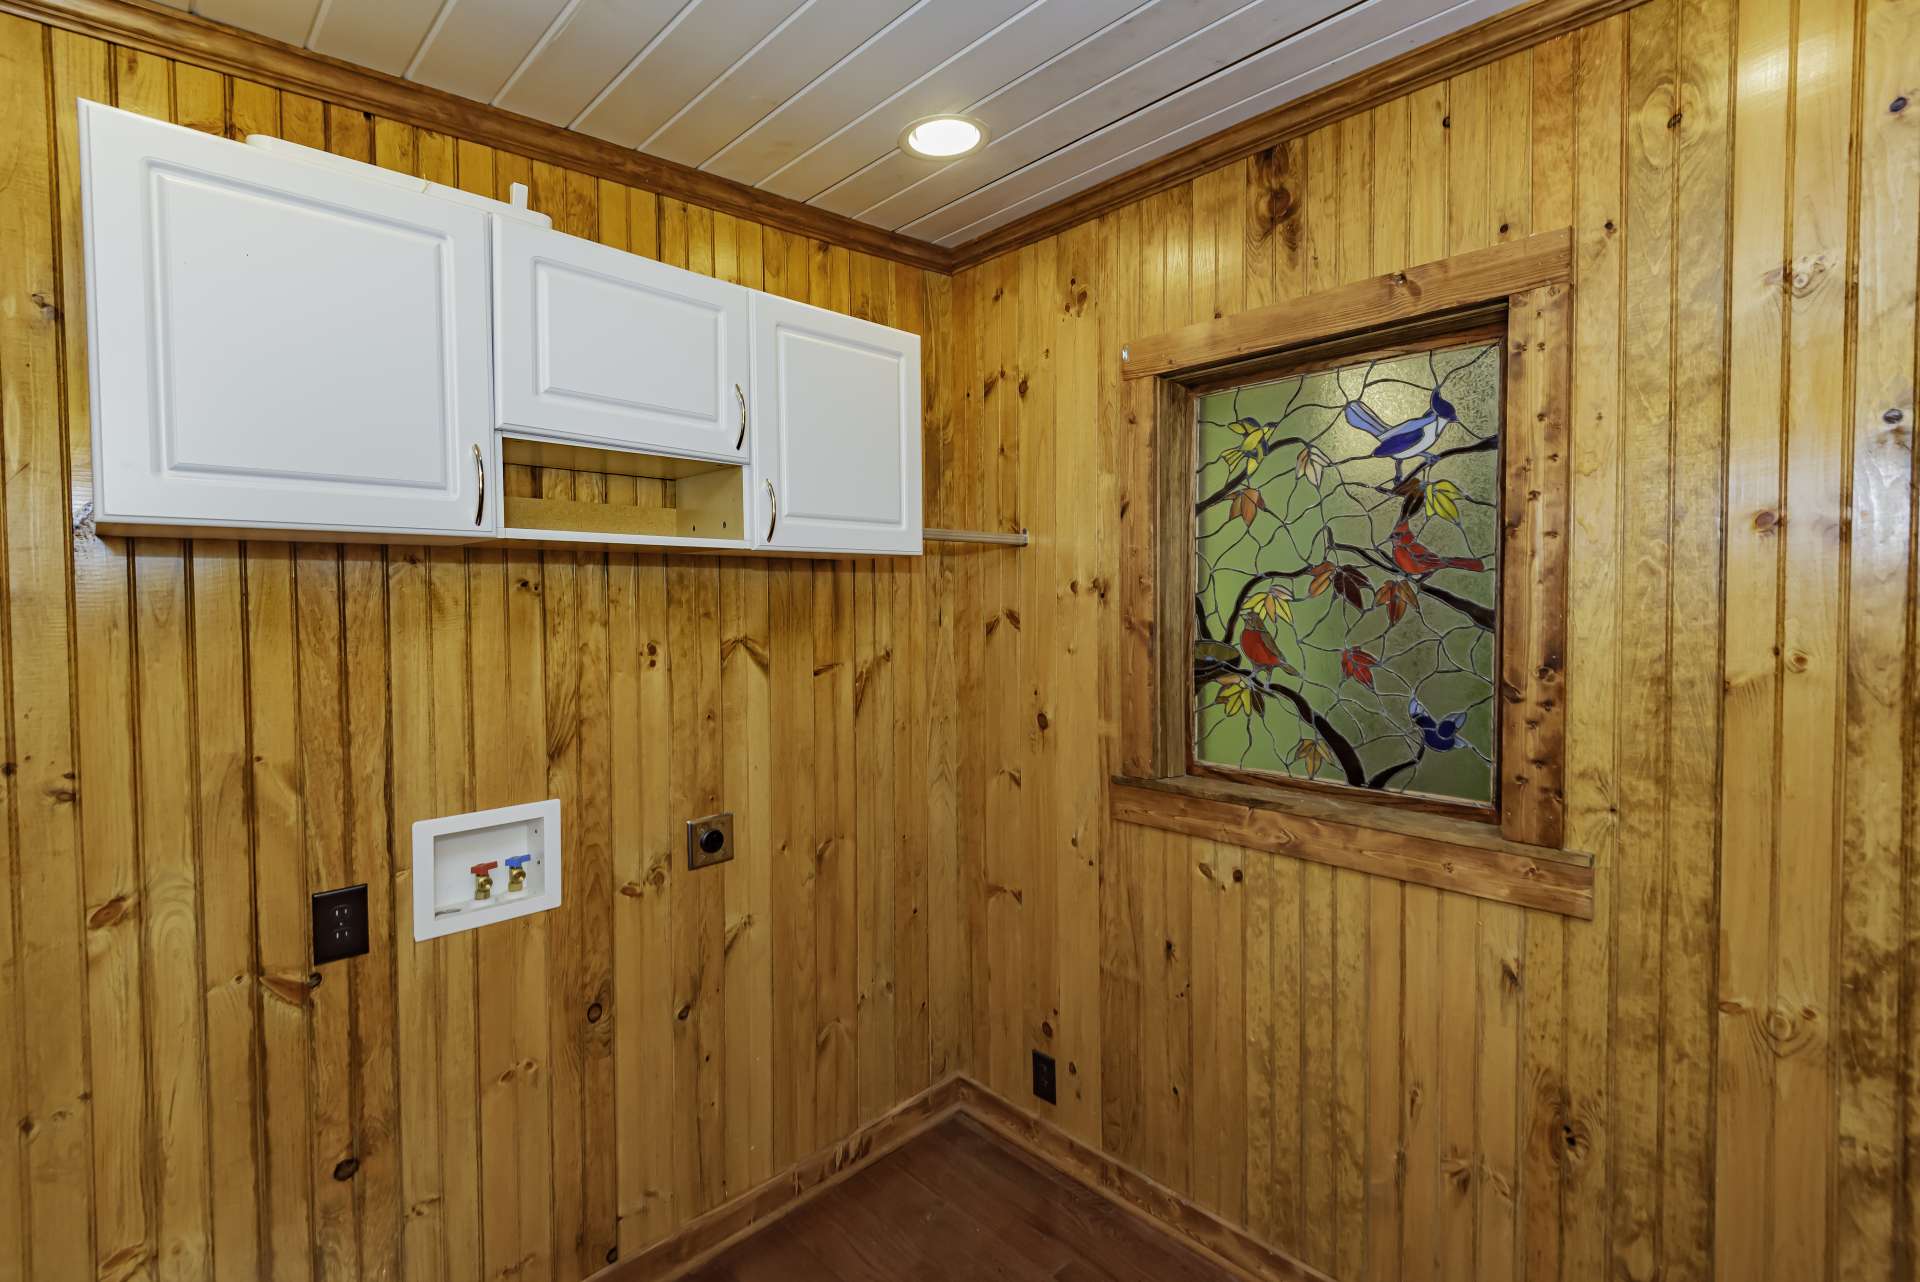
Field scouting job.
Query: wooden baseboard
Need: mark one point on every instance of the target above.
(706, 1235)
(1227, 1245)
(702, 1238)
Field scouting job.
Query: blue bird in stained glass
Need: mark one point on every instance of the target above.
(1402, 441)
(1442, 735)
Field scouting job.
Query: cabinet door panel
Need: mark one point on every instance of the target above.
(599, 345)
(836, 430)
(278, 345)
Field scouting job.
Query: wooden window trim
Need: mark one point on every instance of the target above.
(1519, 859)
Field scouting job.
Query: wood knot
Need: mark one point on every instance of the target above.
(1790, 1032)
(594, 1011)
(1797, 660)
(346, 1168)
(286, 988)
(1898, 105)
(1766, 522)
(1673, 121)
(111, 913)
(1892, 417)
(1040, 719)
(738, 928)
(1576, 1142)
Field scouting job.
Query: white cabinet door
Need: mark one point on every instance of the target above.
(595, 344)
(277, 345)
(836, 431)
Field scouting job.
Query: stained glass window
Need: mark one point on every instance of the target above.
(1347, 521)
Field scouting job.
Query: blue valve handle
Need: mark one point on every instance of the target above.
(518, 861)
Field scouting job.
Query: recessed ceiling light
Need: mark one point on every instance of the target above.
(943, 137)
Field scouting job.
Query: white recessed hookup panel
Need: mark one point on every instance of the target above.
(492, 865)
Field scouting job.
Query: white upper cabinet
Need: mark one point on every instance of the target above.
(280, 344)
(836, 431)
(595, 344)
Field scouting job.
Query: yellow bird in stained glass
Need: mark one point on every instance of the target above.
(1252, 446)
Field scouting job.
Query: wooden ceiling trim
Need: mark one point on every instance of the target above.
(1484, 42)
(174, 34)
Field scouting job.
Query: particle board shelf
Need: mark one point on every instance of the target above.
(700, 502)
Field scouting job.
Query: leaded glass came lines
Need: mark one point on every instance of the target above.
(1346, 584)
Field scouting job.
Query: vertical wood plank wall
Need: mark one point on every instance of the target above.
(1717, 1076)
(201, 732)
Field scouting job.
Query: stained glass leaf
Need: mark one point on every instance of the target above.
(1311, 464)
(1358, 664)
(1275, 601)
(1238, 697)
(1247, 504)
(1398, 596)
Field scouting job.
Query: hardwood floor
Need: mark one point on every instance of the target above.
(958, 1205)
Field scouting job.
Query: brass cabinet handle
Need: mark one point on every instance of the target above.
(742, 397)
(480, 470)
(773, 511)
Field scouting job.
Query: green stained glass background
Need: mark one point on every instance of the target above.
(1289, 498)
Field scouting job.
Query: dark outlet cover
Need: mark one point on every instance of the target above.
(1043, 1076)
(339, 923)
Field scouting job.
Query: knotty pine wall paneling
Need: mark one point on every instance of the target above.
(1715, 1077)
(201, 732)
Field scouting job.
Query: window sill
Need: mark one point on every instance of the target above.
(1452, 854)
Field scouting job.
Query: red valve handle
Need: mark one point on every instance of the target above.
(481, 870)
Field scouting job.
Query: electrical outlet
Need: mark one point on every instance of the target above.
(339, 923)
(1043, 1087)
(709, 840)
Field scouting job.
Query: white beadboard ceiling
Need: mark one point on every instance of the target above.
(807, 98)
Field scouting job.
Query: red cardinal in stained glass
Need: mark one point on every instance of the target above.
(1259, 650)
(1416, 558)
